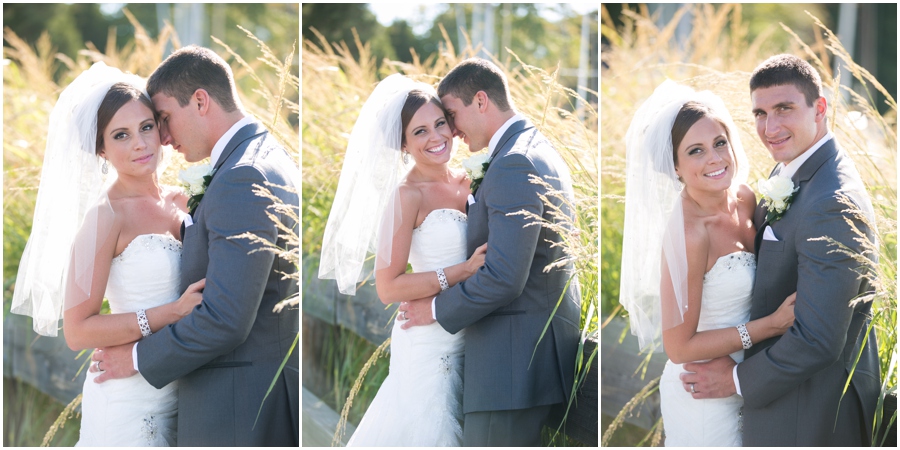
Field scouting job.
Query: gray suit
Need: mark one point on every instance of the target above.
(506, 304)
(227, 351)
(792, 384)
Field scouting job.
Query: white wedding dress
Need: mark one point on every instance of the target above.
(420, 402)
(130, 412)
(727, 290)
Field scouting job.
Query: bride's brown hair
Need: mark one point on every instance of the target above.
(118, 96)
(689, 114)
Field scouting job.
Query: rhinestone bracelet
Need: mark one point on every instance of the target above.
(745, 336)
(143, 323)
(442, 279)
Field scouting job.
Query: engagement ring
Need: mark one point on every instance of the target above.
(692, 389)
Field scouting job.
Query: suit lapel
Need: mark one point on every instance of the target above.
(513, 130)
(826, 152)
(246, 132)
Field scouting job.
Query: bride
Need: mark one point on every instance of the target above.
(687, 257)
(405, 213)
(107, 230)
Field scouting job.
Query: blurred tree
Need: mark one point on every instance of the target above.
(876, 32)
(69, 25)
(543, 36)
(72, 26)
(402, 40)
(336, 23)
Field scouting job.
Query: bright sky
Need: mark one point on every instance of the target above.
(416, 12)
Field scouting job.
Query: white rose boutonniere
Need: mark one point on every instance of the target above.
(476, 166)
(195, 180)
(778, 193)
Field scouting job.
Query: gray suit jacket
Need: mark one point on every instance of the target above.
(227, 351)
(506, 304)
(792, 384)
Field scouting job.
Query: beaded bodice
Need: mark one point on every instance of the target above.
(440, 241)
(146, 274)
(727, 290)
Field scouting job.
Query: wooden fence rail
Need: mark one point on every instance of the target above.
(365, 315)
(620, 379)
(45, 362)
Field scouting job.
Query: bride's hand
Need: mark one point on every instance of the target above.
(191, 298)
(783, 317)
(476, 260)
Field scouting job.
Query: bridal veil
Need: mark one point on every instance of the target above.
(56, 269)
(654, 220)
(359, 222)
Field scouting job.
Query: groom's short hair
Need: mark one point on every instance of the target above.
(473, 75)
(191, 68)
(785, 69)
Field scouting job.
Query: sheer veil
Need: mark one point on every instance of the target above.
(56, 269)
(654, 220)
(366, 212)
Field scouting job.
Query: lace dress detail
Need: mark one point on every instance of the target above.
(129, 412)
(420, 402)
(725, 303)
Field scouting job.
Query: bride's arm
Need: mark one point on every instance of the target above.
(84, 326)
(393, 284)
(683, 343)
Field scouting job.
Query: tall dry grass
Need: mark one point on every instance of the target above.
(718, 56)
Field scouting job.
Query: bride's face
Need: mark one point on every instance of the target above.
(704, 157)
(429, 138)
(131, 140)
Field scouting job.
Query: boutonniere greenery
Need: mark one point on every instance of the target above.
(778, 193)
(475, 167)
(195, 180)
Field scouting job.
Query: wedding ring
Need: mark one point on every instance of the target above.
(98, 366)
(404, 315)
(692, 388)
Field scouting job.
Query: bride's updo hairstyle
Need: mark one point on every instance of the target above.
(118, 96)
(690, 113)
(414, 100)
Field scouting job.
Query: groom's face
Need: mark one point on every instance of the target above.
(179, 127)
(466, 122)
(786, 125)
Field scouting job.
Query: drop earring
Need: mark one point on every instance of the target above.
(405, 157)
(105, 167)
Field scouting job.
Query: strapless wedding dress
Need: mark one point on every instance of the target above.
(130, 412)
(420, 402)
(727, 290)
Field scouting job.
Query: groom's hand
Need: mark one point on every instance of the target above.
(416, 312)
(713, 379)
(113, 362)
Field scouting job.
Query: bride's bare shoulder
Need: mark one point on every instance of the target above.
(696, 235)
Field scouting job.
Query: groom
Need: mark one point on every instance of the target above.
(227, 351)
(792, 384)
(512, 374)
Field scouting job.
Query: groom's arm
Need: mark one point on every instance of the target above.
(827, 282)
(235, 281)
(511, 247)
